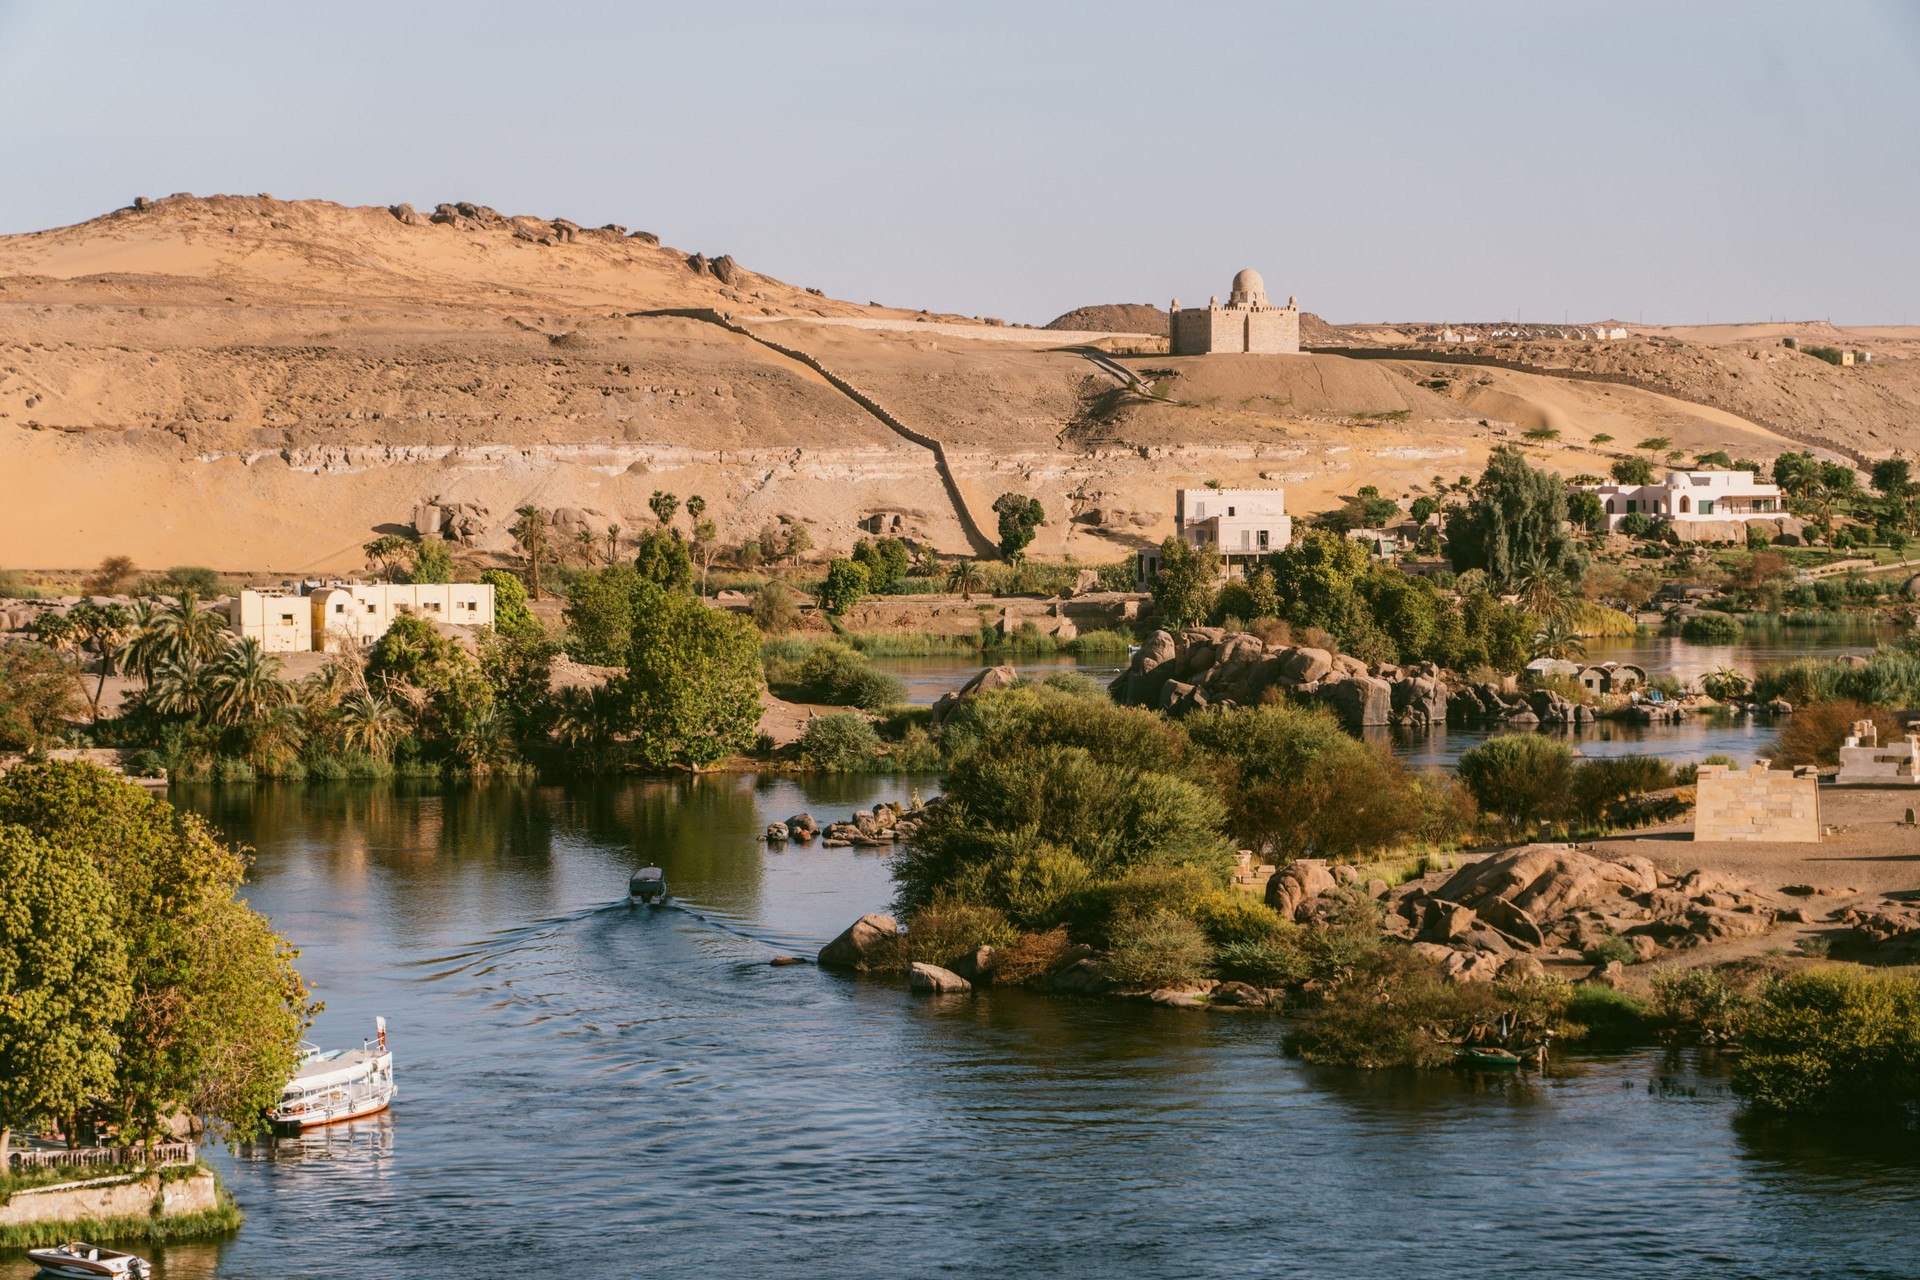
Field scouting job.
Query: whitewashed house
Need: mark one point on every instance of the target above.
(1687, 498)
(1237, 525)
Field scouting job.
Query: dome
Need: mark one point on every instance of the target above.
(1249, 290)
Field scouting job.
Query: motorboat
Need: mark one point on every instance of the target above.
(647, 885)
(337, 1084)
(81, 1259)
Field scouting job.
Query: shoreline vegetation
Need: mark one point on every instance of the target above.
(1088, 845)
(155, 1226)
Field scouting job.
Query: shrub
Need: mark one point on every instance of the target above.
(1264, 962)
(1031, 956)
(1600, 784)
(1077, 684)
(1711, 628)
(1704, 1002)
(1229, 916)
(947, 931)
(842, 588)
(1603, 1015)
(1160, 949)
(774, 610)
(1524, 778)
(1635, 524)
(1393, 1010)
(833, 674)
(1815, 733)
(842, 743)
(1609, 949)
(1834, 1041)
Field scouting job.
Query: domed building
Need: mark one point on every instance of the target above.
(1248, 324)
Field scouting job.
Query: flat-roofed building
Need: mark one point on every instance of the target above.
(1236, 525)
(355, 616)
(1691, 498)
(281, 622)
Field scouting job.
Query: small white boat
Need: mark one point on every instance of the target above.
(337, 1084)
(80, 1259)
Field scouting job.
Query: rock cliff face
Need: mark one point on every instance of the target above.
(1201, 667)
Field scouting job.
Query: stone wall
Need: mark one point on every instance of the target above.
(1756, 804)
(71, 1202)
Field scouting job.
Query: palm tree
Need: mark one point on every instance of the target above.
(964, 578)
(178, 633)
(613, 543)
(584, 720)
(530, 531)
(373, 722)
(585, 540)
(389, 551)
(179, 688)
(1557, 640)
(244, 685)
(663, 505)
(1544, 590)
(480, 738)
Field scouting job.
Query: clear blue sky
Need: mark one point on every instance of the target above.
(1389, 161)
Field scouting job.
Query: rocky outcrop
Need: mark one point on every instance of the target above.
(1203, 667)
(461, 522)
(987, 681)
(1559, 901)
(931, 979)
(867, 943)
(875, 828)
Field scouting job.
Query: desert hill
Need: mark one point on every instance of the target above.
(1115, 317)
(258, 385)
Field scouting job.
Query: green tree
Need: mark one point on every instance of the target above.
(244, 685)
(663, 505)
(1019, 517)
(181, 633)
(1183, 585)
(796, 542)
(1833, 1042)
(1315, 581)
(1893, 478)
(886, 562)
(115, 575)
(692, 690)
(664, 560)
(1717, 458)
(1517, 514)
(1584, 509)
(1656, 444)
(530, 532)
(844, 586)
(432, 561)
(599, 614)
(1632, 471)
(36, 695)
(373, 722)
(389, 551)
(511, 616)
(217, 1008)
(63, 982)
(1423, 508)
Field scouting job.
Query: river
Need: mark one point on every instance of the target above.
(593, 1089)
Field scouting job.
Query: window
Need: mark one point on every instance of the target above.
(1685, 503)
(286, 619)
(1609, 506)
(1263, 539)
(1706, 506)
(434, 605)
(1199, 511)
(373, 608)
(1246, 538)
(1229, 511)
(339, 608)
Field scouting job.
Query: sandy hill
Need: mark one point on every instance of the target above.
(260, 385)
(1115, 317)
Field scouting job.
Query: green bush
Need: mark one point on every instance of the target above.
(944, 932)
(1602, 783)
(1160, 949)
(1609, 949)
(774, 610)
(1635, 524)
(830, 673)
(1076, 684)
(1834, 1041)
(1602, 1015)
(1524, 778)
(1263, 962)
(1711, 628)
(843, 743)
(1702, 1001)
(1229, 916)
(1394, 1010)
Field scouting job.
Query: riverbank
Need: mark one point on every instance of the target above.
(182, 1202)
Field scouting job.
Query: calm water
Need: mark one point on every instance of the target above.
(641, 1088)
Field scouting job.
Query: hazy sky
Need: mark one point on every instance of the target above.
(1456, 160)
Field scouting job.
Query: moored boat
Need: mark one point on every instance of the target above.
(77, 1258)
(337, 1084)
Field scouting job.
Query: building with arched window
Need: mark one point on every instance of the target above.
(1687, 498)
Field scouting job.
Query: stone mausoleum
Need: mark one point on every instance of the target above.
(1248, 324)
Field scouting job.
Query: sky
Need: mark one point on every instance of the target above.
(1674, 162)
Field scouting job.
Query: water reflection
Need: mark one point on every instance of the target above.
(571, 1067)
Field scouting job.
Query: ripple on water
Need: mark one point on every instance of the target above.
(571, 1068)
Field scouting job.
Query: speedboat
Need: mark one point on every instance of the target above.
(647, 885)
(80, 1259)
(337, 1084)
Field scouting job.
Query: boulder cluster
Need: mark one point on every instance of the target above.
(1488, 703)
(1202, 667)
(1508, 912)
(876, 828)
(461, 522)
(464, 215)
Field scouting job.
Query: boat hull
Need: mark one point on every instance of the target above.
(314, 1120)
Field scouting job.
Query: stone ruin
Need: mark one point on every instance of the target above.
(1754, 804)
(1864, 761)
(461, 522)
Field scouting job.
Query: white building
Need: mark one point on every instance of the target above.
(356, 616)
(282, 623)
(1687, 498)
(1237, 525)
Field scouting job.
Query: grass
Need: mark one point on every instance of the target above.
(47, 1175)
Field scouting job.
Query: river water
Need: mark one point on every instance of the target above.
(593, 1089)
